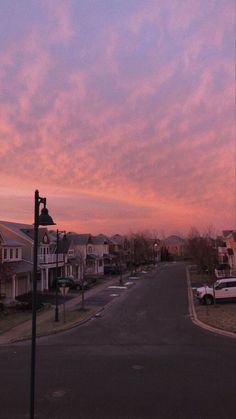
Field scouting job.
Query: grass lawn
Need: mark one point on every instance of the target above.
(11, 318)
(220, 315)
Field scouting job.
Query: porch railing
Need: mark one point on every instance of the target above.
(50, 259)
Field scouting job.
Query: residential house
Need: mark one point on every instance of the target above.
(24, 235)
(15, 273)
(73, 261)
(229, 238)
(90, 249)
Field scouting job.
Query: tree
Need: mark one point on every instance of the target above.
(5, 274)
(202, 249)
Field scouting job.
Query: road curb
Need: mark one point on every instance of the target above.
(193, 314)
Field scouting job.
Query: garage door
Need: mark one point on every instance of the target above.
(22, 285)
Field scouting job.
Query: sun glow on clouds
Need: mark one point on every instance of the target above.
(121, 113)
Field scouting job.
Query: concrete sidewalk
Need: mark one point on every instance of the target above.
(45, 319)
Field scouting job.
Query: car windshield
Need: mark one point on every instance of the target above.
(215, 284)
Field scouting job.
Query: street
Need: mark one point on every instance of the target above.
(141, 358)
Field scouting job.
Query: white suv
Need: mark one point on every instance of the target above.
(222, 289)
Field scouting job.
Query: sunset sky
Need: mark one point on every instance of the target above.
(121, 113)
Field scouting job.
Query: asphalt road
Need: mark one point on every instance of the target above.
(142, 358)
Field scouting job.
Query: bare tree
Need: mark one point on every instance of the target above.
(202, 249)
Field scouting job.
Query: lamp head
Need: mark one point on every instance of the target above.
(45, 219)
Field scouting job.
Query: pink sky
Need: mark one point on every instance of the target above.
(121, 113)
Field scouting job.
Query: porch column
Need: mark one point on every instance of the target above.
(42, 279)
(28, 282)
(13, 287)
(46, 282)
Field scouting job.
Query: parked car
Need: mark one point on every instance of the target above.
(114, 269)
(82, 284)
(65, 282)
(222, 289)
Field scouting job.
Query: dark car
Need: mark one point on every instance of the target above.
(82, 284)
(65, 282)
(113, 269)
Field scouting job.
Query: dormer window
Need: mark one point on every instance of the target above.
(90, 249)
(45, 239)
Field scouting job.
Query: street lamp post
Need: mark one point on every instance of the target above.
(120, 260)
(155, 252)
(43, 219)
(56, 306)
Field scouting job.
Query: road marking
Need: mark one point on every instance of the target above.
(114, 295)
(117, 287)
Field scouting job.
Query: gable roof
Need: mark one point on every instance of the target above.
(17, 228)
(79, 239)
(7, 241)
(25, 231)
(100, 239)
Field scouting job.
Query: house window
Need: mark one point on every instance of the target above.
(17, 253)
(11, 253)
(90, 249)
(100, 262)
(4, 253)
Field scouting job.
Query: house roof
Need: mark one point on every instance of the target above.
(17, 228)
(226, 232)
(30, 233)
(20, 267)
(92, 256)
(25, 231)
(7, 241)
(117, 239)
(79, 239)
(100, 239)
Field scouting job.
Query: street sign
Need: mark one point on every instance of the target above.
(64, 290)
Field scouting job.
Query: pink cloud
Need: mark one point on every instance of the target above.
(158, 134)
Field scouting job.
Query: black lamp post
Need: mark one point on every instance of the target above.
(155, 252)
(43, 219)
(120, 263)
(56, 306)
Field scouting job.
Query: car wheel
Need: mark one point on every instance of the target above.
(208, 300)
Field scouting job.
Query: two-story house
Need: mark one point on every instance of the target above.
(73, 261)
(15, 273)
(90, 249)
(24, 235)
(229, 238)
